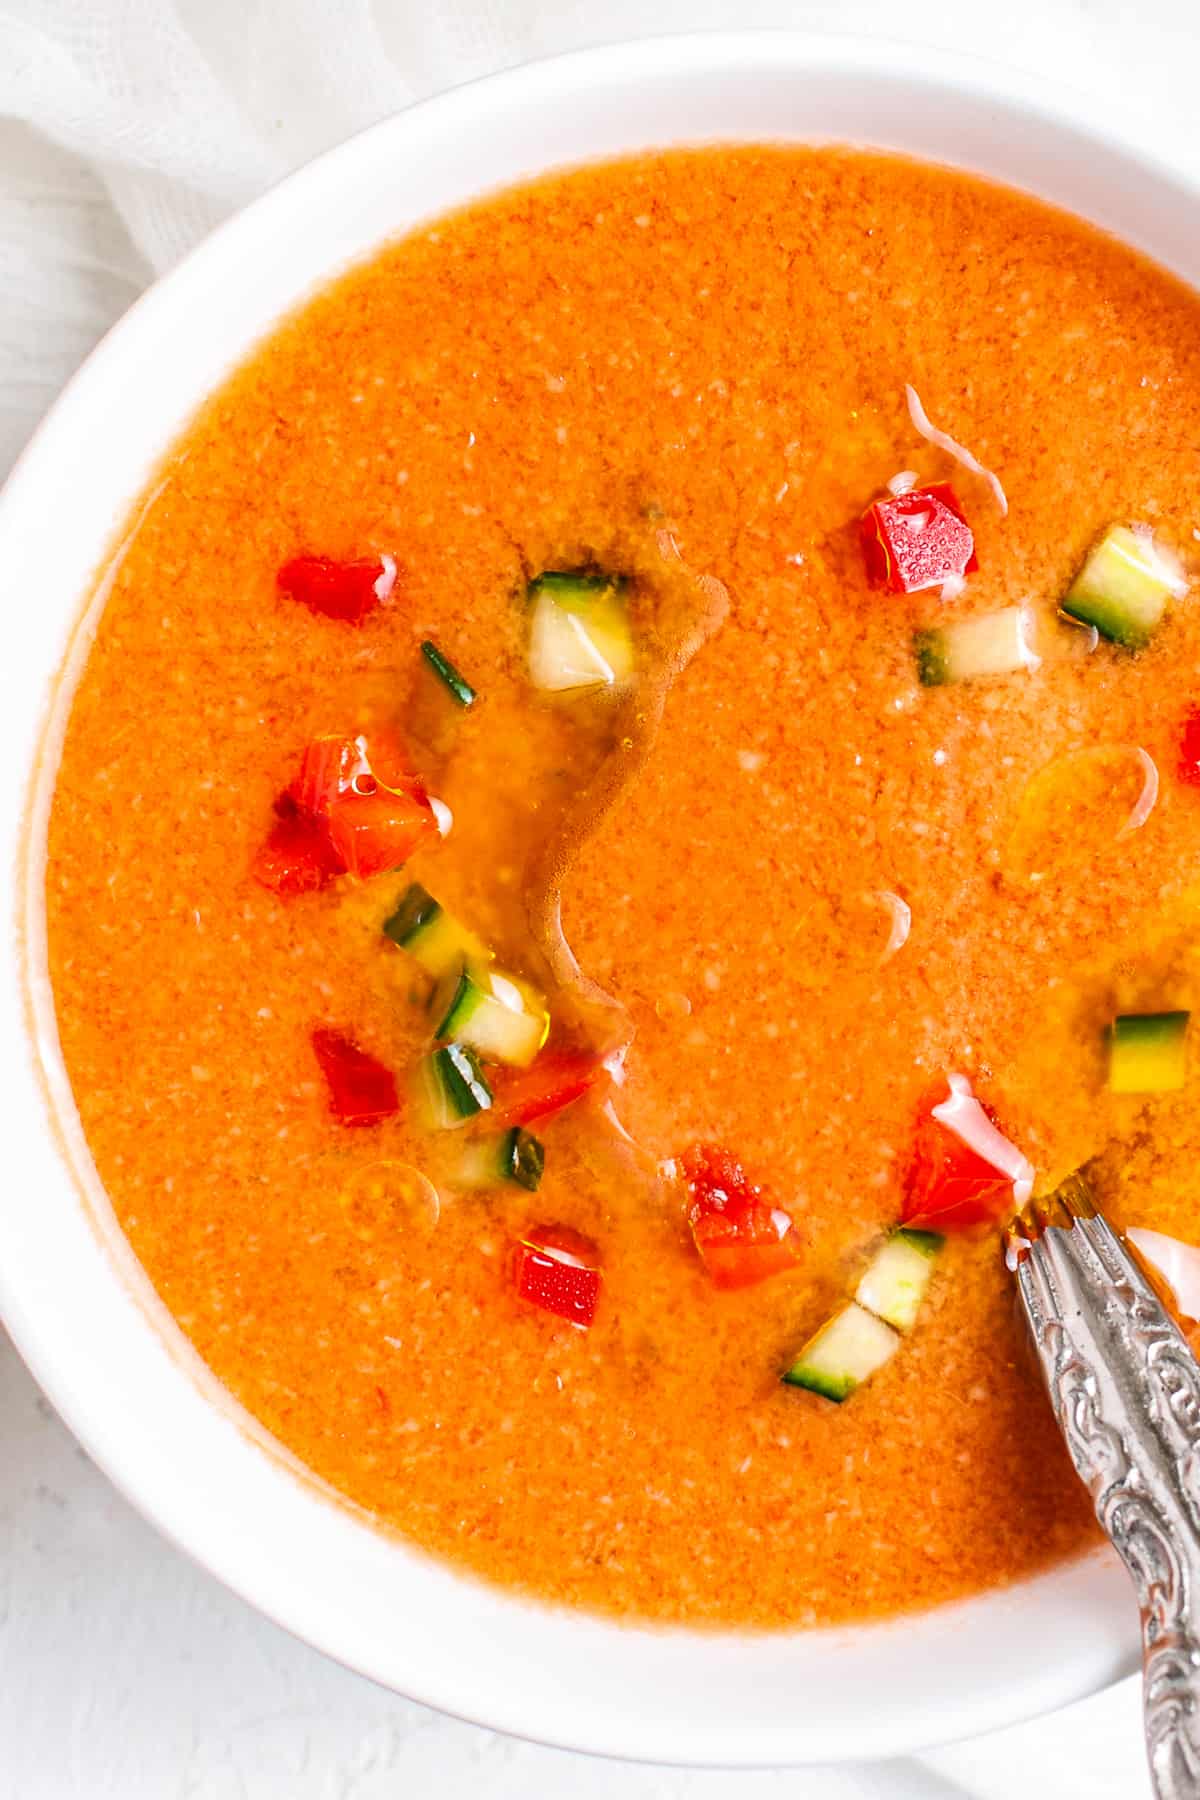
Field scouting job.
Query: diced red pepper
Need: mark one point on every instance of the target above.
(353, 809)
(333, 767)
(741, 1237)
(361, 1090)
(297, 857)
(372, 831)
(1189, 749)
(336, 590)
(327, 762)
(917, 540)
(949, 1187)
(559, 1269)
(555, 1080)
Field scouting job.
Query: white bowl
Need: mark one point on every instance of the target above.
(74, 1300)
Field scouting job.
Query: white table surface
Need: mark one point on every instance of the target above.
(125, 1672)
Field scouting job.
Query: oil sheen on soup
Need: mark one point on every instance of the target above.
(599, 854)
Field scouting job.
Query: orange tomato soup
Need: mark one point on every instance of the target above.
(687, 371)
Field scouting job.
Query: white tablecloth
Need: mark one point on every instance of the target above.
(127, 128)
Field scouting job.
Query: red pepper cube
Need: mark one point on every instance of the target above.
(948, 1186)
(297, 857)
(327, 763)
(741, 1238)
(374, 832)
(555, 1081)
(337, 590)
(361, 1090)
(353, 809)
(558, 1270)
(334, 766)
(1189, 749)
(917, 540)
(375, 812)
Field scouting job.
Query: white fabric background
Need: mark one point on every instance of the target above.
(127, 129)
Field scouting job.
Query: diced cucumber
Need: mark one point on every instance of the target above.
(517, 1156)
(894, 1282)
(1147, 1053)
(993, 644)
(579, 635)
(455, 683)
(453, 1087)
(431, 935)
(503, 1019)
(1123, 587)
(844, 1353)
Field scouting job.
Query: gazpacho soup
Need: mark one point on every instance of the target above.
(637, 791)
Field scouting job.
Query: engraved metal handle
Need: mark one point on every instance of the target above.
(1125, 1389)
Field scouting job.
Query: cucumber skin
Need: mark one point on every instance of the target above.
(1150, 1028)
(1110, 621)
(560, 584)
(515, 1156)
(522, 1158)
(1162, 1035)
(895, 1281)
(455, 683)
(813, 1382)
(984, 646)
(1114, 566)
(835, 1383)
(419, 924)
(416, 909)
(929, 648)
(459, 1011)
(579, 633)
(929, 1243)
(462, 1081)
(469, 998)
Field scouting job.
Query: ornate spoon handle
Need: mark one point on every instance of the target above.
(1125, 1389)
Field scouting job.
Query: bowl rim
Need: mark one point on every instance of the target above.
(604, 1723)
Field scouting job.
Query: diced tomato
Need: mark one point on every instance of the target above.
(336, 590)
(378, 831)
(375, 812)
(949, 1187)
(297, 857)
(327, 763)
(741, 1237)
(559, 1269)
(332, 767)
(1189, 749)
(361, 1090)
(917, 540)
(556, 1080)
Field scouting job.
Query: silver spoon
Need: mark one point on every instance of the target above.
(1125, 1388)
